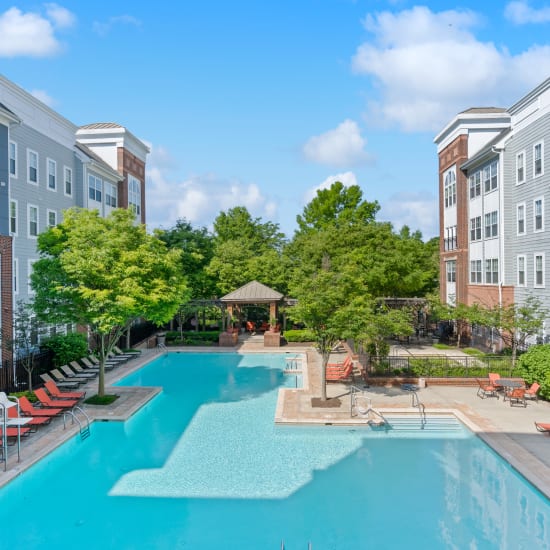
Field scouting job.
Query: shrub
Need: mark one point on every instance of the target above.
(534, 366)
(299, 335)
(28, 394)
(66, 347)
(192, 337)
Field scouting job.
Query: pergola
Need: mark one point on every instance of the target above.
(253, 293)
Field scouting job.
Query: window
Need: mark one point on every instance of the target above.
(475, 271)
(110, 194)
(475, 185)
(490, 177)
(52, 174)
(32, 214)
(94, 188)
(475, 228)
(52, 218)
(539, 270)
(13, 217)
(520, 215)
(134, 195)
(521, 271)
(491, 271)
(520, 167)
(538, 152)
(451, 271)
(491, 225)
(538, 213)
(68, 178)
(13, 159)
(32, 164)
(494, 175)
(15, 275)
(450, 242)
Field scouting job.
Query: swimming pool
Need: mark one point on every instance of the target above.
(202, 466)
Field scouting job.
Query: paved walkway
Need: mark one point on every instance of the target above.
(509, 430)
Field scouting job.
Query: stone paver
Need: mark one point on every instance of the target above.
(509, 430)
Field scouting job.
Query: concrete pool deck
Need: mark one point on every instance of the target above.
(508, 430)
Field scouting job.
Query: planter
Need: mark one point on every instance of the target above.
(272, 339)
(228, 339)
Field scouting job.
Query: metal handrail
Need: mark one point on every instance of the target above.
(354, 390)
(415, 402)
(84, 431)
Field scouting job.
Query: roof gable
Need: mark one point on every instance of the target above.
(253, 292)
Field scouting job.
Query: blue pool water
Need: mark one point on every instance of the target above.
(202, 466)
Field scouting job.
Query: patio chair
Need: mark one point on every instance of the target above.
(532, 392)
(542, 427)
(54, 391)
(13, 432)
(342, 364)
(89, 363)
(61, 378)
(33, 422)
(340, 375)
(486, 389)
(78, 368)
(46, 402)
(493, 378)
(71, 374)
(131, 353)
(27, 409)
(517, 396)
(68, 385)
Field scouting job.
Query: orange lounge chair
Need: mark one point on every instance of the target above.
(532, 392)
(340, 375)
(12, 432)
(32, 422)
(28, 410)
(542, 427)
(57, 394)
(486, 389)
(343, 364)
(45, 401)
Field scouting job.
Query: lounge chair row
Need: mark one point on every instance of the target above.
(340, 371)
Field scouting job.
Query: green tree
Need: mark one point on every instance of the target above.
(463, 315)
(27, 330)
(197, 249)
(534, 366)
(104, 273)
(246, 249)
(515, 323)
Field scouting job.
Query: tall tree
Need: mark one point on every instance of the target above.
(104, 273)
(246, 249)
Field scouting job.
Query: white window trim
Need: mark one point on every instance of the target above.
(48, 160)
(48, 212)
(29, 152)
(15, 276)
(535, 230)
(521, 153)
(14, 233)
(137, 206)
(65, 170)
(535, 256)
(521, 204)
(29, 206)
(541, 143)
(29, 272)
(524, 270)
(16, 174)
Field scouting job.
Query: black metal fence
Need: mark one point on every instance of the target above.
(441, 366)
(14, 377)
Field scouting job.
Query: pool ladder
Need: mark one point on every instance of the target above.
(83, 428)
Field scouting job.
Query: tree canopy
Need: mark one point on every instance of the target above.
(104, 273)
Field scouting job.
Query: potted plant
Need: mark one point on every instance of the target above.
(273, 325)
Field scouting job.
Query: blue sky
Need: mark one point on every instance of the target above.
(260, 103)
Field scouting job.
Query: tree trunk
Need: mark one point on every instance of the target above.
(29, 373)
(101, 376)
(128, 340)
(324, 361)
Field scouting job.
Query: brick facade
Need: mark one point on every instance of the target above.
(130, 164)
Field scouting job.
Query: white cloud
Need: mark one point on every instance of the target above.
(103, 28)
(521, 13)
(415, 55)
(342, 146)
(347, 178)
(44, 97)
(61, 17)
(199, 198)
(30, 34)
(419, 211)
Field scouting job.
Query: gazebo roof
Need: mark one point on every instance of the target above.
(253, 293)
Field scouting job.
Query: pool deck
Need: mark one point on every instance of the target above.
(508, 430)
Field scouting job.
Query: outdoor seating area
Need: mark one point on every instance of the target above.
(513, 390)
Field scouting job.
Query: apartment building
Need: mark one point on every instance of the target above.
(493, 187)
(48, 164)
